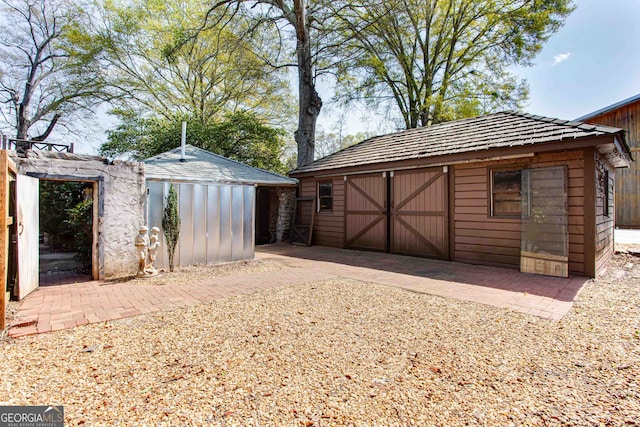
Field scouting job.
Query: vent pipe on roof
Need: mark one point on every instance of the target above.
(183, 142)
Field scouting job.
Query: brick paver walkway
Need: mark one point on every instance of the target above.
(56, 307)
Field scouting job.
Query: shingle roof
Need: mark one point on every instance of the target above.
(610, 108)
(202, 165)
(499, 130)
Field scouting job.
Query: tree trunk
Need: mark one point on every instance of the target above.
(23, 124)
(309, 100)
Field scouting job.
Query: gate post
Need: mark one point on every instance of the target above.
(6, 166)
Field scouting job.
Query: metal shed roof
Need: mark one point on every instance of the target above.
(610, 108)
(203, 165)
(478, 134)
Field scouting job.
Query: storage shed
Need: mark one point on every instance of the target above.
(626, 115)
(224, 205)
(506, 189)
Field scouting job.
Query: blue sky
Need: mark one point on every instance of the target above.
(593, 61)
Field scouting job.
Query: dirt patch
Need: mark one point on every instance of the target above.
(198, 273)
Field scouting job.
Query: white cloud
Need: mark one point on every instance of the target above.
(561, 57)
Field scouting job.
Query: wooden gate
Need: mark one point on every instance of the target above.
(365, 213)
(27, 192)
(419, 219)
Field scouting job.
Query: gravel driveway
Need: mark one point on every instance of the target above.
(339, 353)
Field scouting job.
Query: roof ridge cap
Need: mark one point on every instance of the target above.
(210, 153)
(561, 122)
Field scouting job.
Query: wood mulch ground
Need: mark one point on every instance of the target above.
(338, 353)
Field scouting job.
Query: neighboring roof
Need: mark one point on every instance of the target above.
(478, 134)
(610, 108)
(203, 165)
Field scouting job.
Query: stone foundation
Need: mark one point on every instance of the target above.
(274, 204)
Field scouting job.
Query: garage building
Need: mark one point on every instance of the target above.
(506, 189)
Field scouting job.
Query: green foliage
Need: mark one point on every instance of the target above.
(241, 136)
(56, 201)
(440, 60)
(67, 218)
(176, 58)
(301, 28)
(171, 224)
(81, 220)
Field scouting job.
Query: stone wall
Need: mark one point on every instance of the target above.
(286, 204)
(274, 204)
(121, 195)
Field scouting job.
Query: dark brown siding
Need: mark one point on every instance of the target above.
(328, 227)
(482, 239)
(604, 223)
(478, 238)
(627, 180)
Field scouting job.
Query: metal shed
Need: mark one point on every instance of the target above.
(217, 202)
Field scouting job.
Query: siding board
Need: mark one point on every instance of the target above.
(501, 226)
(480, 238)
(328, 227)
(476, 237)
(605, 193)
(627, 181)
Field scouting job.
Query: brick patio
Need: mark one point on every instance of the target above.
(67, 304)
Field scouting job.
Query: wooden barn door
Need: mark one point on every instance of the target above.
(366, 212)
(419, 219)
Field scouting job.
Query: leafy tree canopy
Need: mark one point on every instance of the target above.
(241, 136)
(175, 58)
(439, 60)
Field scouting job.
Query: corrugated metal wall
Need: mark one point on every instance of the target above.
(217, 221)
